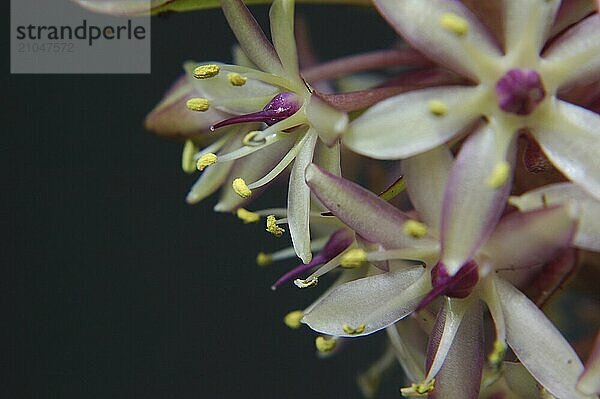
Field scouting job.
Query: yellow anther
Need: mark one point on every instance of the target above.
(414, 228)
(197, 104)
(309, 282)
(187, 156)
(272, 226)
(247, 216)
(206, 160)
(355, 257)
(206, 71)
(325, 344)
(495, 358)
(454, 23)
(438, 108)
(241, 188)
(292, 319)
(247, 140)
(499, 176)
(353, 331)
(263, 259)
(421, 389)
(236, 79)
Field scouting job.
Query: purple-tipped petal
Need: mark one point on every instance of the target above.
(575, 56)
(585, 208)
(404, 125)
(372, 302)
(538, 344)
(570, 138)
(472, 204)
(527, 25)
(250, 36)
(360, 209)
(522, 240)
(460, 375)
(420, 23)
(298, 202)
(589, 382)
(426, 177)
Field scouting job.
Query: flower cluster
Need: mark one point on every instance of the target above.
(491, 110)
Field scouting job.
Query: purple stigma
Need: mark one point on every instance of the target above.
(458, 286)
(519, 91)
(281, 107)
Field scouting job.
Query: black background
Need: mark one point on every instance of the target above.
(114, 287)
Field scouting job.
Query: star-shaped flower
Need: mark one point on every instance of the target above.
(274, 120)
(519, 242)
(515, 87)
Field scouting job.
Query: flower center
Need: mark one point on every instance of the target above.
(281, 107)
(458, 286)
(519, 91)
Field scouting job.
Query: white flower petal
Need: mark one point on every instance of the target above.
(460, 375)
(375, 301)
(373, 218)
(403, 126)
(583, 206)
(426, 176)
(527, 24)
(209, 182)
(114, 7)
(299, 199)
(473, 206)
(570, 137)
(250, 36)
(532, 238)
(328, 158)
(575, 56)
(419, 22)
(538, 344)
(281, 17)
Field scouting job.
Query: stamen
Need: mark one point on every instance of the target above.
(325, 344)
(414, 229)
(353, 258)
(187, 157)
(246, 216)
(394, 190)
(197, 104)
(420, 389)
(438, 108)
(281, 107)
(519, 91)
(206, 160)
(309, 282)
(495, 358)
(454, 23)
(292, 319)
(206, 71)
(236, 79)
(272, 226)
(353, 331)
(247, 140)
(240, 188)
(500, 175)
(263, 259)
